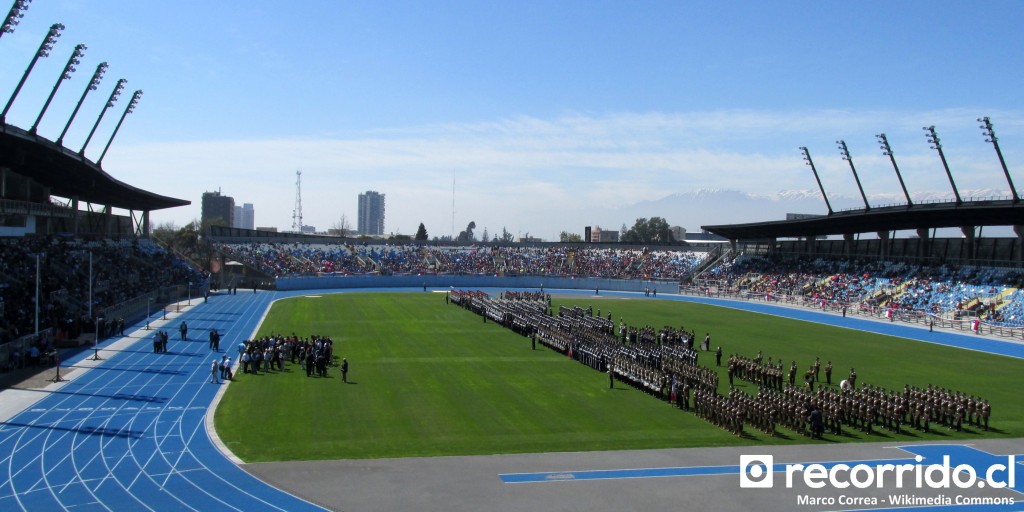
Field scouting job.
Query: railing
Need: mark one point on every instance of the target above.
(14, 354)
(135, 309)
(970, 324)
(950, 202)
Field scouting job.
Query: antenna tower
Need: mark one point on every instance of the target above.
(453, 205)
(297, 212)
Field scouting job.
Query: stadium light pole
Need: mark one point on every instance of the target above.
(44, 50)
(90, 283)
(807, 158)
(96, 340)
(38, 272)
(101, 68)
(14, 16)
(110, 104)
(65, 75)
(128, 110)
(990, 136)
(936, 144)
(846, 156)
(887, 151)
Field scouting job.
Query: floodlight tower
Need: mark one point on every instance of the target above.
(933, 139)
(65, 75)
(110, 104)
(93, 84)
(990, 136)
(44, 51)
(14, 17)
(297, 212)
(128, 110)
(846, 156)
(807, 158)
(887, 151)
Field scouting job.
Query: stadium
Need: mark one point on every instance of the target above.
(254, 370)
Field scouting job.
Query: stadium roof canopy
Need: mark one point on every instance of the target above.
(69, 174)
(999, 212)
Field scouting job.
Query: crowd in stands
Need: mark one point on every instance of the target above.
(987, 293)
(120, 270)
(991, 294)
(295, 259)
(664, 364)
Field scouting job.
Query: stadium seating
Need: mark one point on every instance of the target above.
(937, 290)
(121, 269)
(294, 259)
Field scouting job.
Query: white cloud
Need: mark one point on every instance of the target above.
(547, 175)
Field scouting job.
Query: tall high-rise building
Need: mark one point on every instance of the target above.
(245, 217)
(371, 213)
(216, 206)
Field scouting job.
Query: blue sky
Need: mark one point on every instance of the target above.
(550, 115)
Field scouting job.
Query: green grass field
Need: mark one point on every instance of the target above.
(431, 379)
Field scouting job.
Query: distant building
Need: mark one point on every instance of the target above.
(597, 235)
(245, 217)
(371, 213)
(678, 233)
(308, 229)
(216, 206)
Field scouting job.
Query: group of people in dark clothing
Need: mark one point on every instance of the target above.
(663, 363)
(314, 354)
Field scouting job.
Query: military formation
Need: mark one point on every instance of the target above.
(663, 363)
(863, 408)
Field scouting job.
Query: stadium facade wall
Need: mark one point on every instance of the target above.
(471, 282)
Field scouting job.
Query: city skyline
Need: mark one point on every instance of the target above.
(548, 117)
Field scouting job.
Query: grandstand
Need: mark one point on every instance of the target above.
(62, 239)
(350, 257)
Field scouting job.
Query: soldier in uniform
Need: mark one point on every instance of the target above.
(739, 421)
(971, 411)
(828, 373)
(986, 409)
(927, 416)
